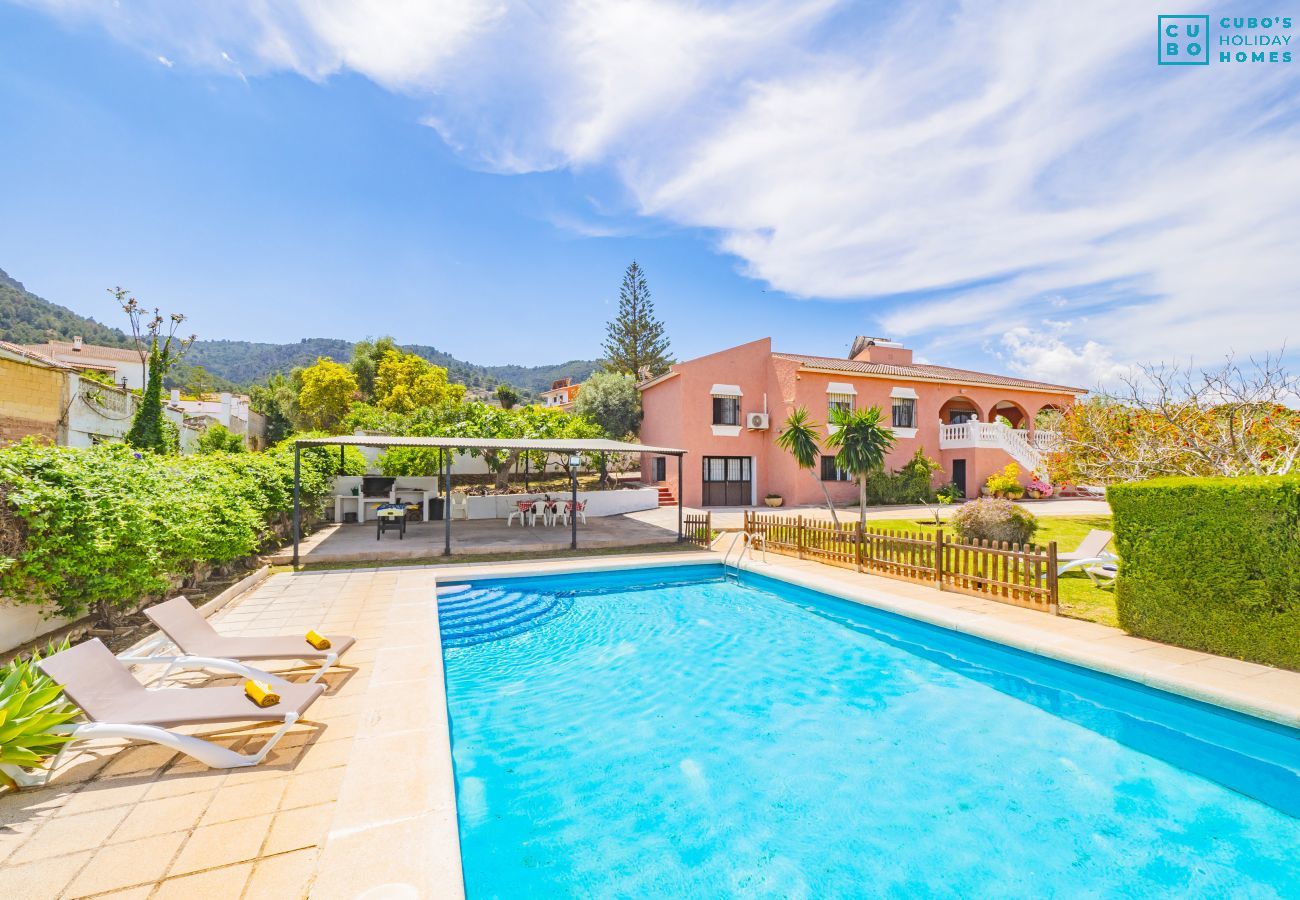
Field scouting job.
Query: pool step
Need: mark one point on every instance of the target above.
(479, 615)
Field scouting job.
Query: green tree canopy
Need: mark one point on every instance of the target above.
(405, 382)
(611, 400)
(326, 393)
(366, 356)
(635, 343)
(507, 396)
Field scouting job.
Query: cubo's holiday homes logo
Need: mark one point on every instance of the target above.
(1186, 40)
(1183, 40)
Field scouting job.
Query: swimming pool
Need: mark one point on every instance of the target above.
(665, 732)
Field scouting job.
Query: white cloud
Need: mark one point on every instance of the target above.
(1044, 354)
(1000, 161)
(166, 62)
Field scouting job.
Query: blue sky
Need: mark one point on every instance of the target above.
(476, 176)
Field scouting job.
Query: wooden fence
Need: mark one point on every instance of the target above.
(698, 529)
(1019, 574)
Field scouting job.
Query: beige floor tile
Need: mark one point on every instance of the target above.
(217, 884)
(163, 816)
(40, 880)
(311, 788)
(105, 794)
(242, 801)
(125, 865)
(221, 845)
(135, 893)
(174, 784)
(297, 829)
(324, 755)
(286, 876)
(70, 834)
(147, 758)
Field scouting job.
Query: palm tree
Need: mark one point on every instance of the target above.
(800, 438)
(863, 443)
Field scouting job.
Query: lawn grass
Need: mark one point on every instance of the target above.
(1079, 599)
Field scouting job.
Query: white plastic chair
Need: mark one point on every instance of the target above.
(523, 509)
(459, 505)
(581, 511)
(539, 512)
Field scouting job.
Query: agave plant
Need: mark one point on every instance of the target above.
(31, 709)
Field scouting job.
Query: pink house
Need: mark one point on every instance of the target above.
(727, 408)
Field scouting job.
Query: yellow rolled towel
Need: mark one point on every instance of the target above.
(319, 641)
(261, 693)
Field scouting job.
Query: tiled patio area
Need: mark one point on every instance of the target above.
(426, 540)
(145, 822)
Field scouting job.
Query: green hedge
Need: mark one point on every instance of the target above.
(1212, 564)
(105, 526)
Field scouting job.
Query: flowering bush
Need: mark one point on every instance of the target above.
(994, 520)
(1006, 483)
(1041, 488)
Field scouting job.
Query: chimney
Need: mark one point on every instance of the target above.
(880, 350)
(76, 344)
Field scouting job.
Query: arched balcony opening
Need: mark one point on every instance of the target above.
(1013, 412)
(957, 410)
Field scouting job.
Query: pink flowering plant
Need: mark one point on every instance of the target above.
(1042, 488)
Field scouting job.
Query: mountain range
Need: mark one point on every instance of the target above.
(26, 318)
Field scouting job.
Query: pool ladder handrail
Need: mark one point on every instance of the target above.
(746, 546)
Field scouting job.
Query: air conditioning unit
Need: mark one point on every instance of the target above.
(756, 421)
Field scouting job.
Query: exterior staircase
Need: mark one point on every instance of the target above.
(666, 497)
(1029, 450)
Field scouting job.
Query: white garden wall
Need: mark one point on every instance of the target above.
(20, 623)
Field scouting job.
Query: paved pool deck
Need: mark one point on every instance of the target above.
(360, 798)
(427, 540)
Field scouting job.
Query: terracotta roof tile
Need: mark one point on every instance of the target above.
(124, 354)
(918, 370)
(20, 350)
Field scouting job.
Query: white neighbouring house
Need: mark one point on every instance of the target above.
(233, 411)
(60, 402)
(562, 394)
(126, 366)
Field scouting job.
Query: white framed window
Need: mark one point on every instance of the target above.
(839, 401)
(904, 412)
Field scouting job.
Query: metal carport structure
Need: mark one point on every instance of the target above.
(451, 445)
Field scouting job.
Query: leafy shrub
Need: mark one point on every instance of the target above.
(1212, 564)
(908, 484)
(104, 527)
(994, 520)
(217, 438)
(30, 705)
(948, 493)
(1006, 483)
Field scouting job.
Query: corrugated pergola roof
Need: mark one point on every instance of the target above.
(547, 445)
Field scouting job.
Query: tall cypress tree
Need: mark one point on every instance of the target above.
(635, 343)
(147, 428)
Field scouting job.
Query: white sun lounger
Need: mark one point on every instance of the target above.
(1091, 551)
(116, 705)
(194, 636)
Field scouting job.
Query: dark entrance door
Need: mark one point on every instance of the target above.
(660, 469)
(727, 480)
(959, 475)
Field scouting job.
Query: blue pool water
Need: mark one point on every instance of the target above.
(654, 734)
